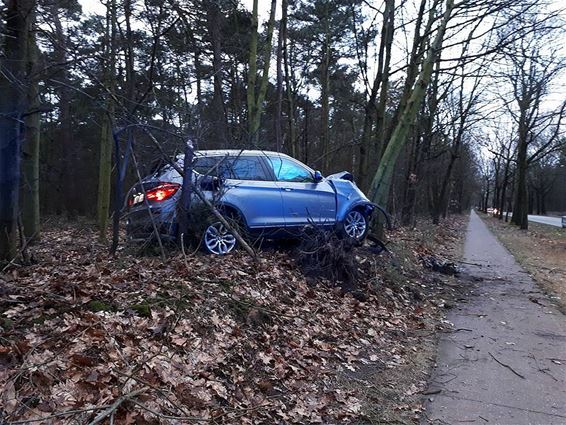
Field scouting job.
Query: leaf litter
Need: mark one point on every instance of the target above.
(89, 338)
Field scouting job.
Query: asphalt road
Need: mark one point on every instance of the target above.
(552, 221)
(504, 359)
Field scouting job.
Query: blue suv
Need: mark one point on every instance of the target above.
(270, 194)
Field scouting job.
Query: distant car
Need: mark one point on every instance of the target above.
(270, 194)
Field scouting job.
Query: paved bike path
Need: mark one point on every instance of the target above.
(504, 361)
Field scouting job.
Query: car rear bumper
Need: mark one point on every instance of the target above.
(140, 225)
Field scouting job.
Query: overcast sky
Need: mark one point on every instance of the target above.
(95, 6)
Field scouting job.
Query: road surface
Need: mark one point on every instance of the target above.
(552, 221)
(504, 359)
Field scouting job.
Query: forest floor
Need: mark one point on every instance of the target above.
(90, 338)
(541, 250)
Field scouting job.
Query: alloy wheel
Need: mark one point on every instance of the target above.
(355, 225)
(218, 239)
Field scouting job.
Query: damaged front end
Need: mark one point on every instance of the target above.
(349, 197)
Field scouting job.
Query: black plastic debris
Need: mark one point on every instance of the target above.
(439, 265)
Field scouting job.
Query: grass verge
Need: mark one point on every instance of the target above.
(541, 250)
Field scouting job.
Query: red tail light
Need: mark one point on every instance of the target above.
(162, 192)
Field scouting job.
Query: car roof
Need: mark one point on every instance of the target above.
(238, 152)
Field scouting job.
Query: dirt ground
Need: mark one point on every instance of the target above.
(541, 250)
(132, 339)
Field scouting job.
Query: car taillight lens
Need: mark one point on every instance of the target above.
(162, 192)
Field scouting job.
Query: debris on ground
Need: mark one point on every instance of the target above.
(439, 265)
(87, 337)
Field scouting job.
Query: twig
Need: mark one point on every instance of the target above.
(507, 366)
(159, 390)
(163, 416)
(110, 410)
(58, 415)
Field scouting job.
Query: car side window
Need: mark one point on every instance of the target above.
(247, 168)
(204, 164)
(240, 168)
(289, 171)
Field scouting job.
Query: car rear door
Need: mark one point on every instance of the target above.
(251, 189)
(304, 200)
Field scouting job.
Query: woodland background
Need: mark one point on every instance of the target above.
(435, 105)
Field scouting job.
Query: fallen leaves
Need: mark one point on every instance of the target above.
(223, 340)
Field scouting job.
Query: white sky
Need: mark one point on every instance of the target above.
(96, 7)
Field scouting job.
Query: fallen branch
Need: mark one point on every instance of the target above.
(114, 406)
(507, 366)
(60, 414)
(170, 417)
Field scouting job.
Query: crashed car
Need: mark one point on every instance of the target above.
(270, 194)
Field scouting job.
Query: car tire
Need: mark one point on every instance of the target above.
(355, 225)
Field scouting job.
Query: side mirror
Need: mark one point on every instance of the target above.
(317, 176)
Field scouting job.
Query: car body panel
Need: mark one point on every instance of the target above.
(267, 208)
(348, 197)
(308, 202)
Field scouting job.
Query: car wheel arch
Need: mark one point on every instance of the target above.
(231, 211)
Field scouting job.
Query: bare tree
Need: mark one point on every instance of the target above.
(533, 62)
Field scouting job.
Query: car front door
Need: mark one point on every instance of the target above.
(304, 200)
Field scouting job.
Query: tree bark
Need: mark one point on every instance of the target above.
(255, 102)
(30, 147)
(324, 101)
(106, 137)
(279, 90)
(20, 15)
(67, 147)
(219, 130)
(293, 140)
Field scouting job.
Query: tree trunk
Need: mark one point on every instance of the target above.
(184, 206)
(106, 138)
(373, 112)
(30, 148)
(381, 184)
(521, 203)
(67, 146)
(325, 105)
(278, 107)
(441, 201)
(219, 130)
(255, 102)
(19, 20)
(293, 139)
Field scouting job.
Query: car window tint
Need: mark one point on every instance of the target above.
(289, 171)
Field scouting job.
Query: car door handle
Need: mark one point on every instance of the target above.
(287, 189)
